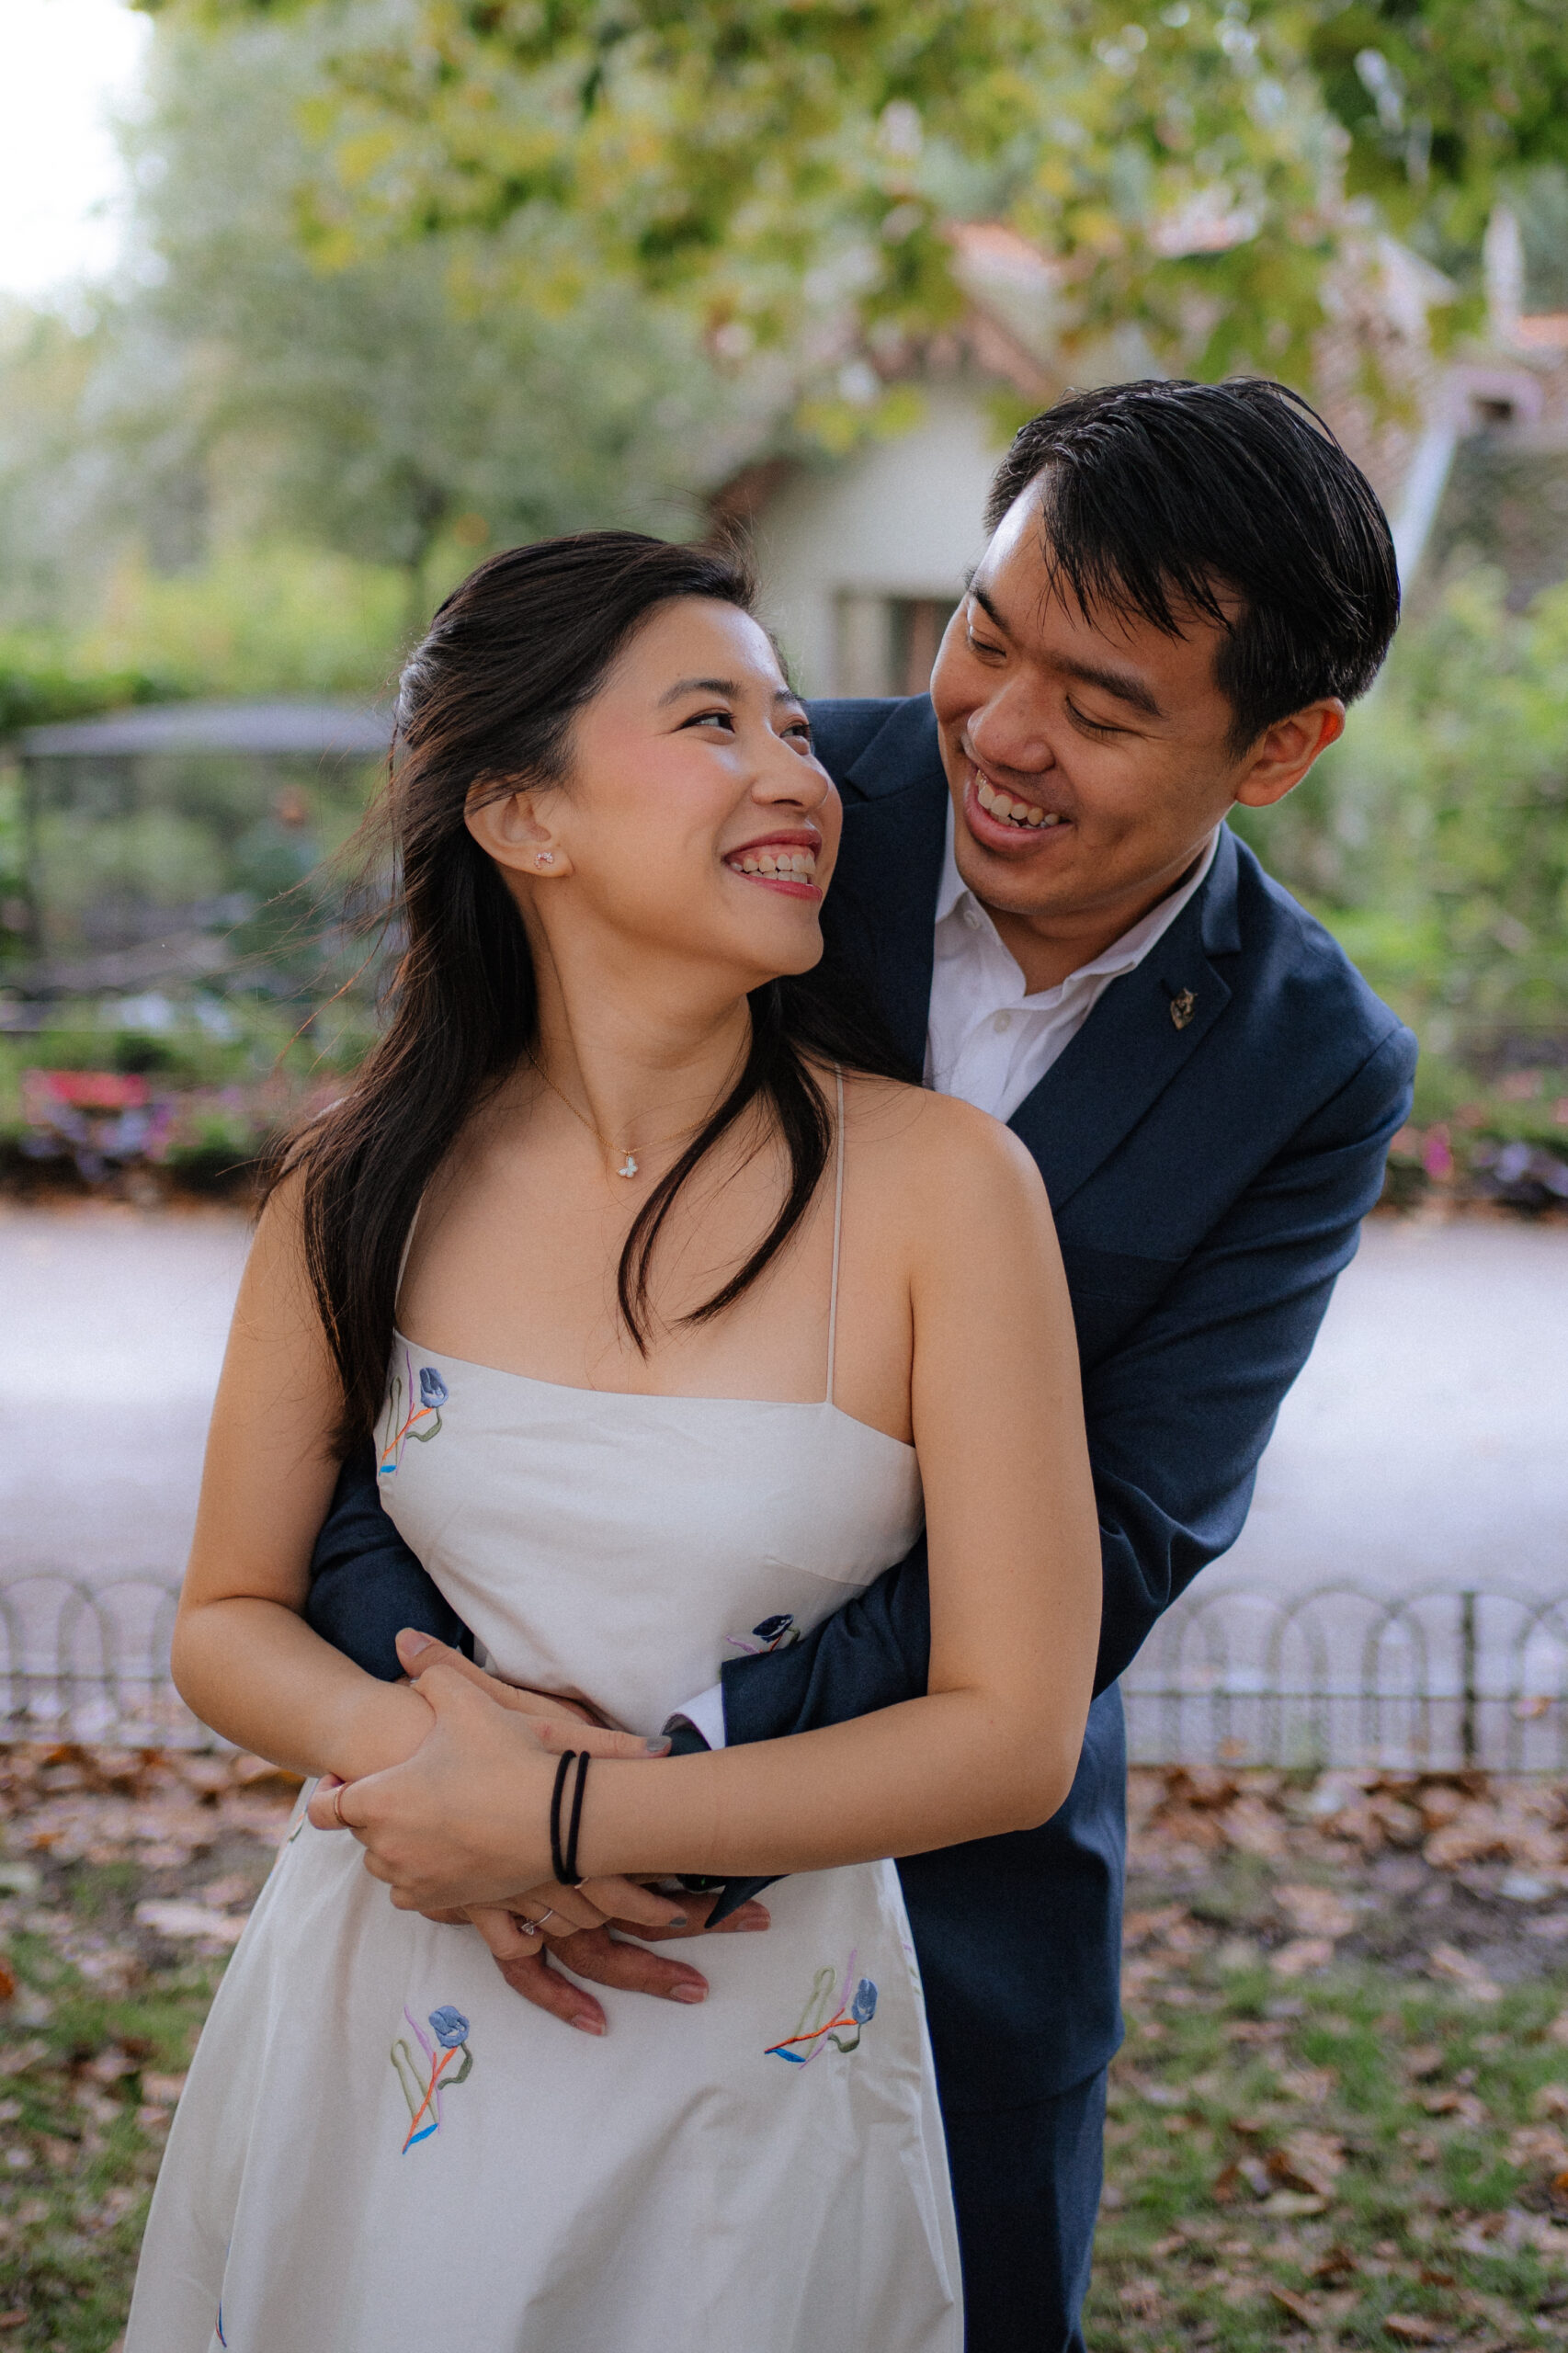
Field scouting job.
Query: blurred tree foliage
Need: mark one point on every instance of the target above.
(1433, 838)
(1446, 101)
(405, 411)
(783, 166)
(784, 170)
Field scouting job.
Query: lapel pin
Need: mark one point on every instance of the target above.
(1182, 1008)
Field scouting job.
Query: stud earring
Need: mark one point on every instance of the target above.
(544, 857)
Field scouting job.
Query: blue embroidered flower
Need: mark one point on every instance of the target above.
(450, 2028)
(863, 2008)
(433, 1390)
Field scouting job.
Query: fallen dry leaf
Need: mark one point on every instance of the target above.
(7, 1981)
(1335, 2265)
(1310, 2161)
(1253, 1827)
(1451, 2103)
(1315, 1911)
(1551, 2100)
(1140, 2298)
(1301, 1956)
(1448, 1961)
(1245, 2172)
(180, 1922)
(1423, 2059)
(1299, 2307)
(1534, 2145)
(1311, 2086)
(1410, 2329)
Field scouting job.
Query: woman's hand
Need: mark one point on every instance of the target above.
(466, 1819)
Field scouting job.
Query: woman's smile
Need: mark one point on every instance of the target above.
(785, 861)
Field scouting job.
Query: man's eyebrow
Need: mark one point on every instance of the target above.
(983, 600)
(1125, 685)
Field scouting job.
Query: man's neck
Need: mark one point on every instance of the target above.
(1047, 949)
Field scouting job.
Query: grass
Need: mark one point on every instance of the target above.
(1363, 2159)
(84, 2114)
(1358, 2156)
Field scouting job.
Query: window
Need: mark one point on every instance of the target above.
(886, 645)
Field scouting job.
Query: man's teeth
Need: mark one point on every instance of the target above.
(795, 865)
(1005, 810)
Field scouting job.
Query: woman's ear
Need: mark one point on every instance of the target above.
(509, 828)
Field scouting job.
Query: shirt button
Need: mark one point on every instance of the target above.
(971, 917)
(1003, 1021)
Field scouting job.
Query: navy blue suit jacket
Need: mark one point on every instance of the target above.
(1209, 1182)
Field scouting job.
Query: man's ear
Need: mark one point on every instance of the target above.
(1284, 753)
(511, 828)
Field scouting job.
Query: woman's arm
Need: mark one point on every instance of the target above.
(244, 1659)
(1015, 1604)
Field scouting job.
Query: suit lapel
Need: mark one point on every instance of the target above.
(882, 909)
(1145, 1029)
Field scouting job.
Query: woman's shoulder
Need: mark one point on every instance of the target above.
(923, 1141)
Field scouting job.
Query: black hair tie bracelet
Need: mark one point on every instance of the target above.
(563, 1858)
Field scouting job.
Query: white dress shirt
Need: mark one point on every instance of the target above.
(989, 1041)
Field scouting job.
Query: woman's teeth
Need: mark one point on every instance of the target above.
(1005, 810)
(795, 865)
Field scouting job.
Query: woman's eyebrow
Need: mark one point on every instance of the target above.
(699, 686)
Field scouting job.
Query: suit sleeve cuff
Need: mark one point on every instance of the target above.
(705, 1714)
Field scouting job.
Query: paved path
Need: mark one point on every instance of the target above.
(112, 1324)
(1425, 1443)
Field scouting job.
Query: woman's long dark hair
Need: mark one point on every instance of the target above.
(511, 657)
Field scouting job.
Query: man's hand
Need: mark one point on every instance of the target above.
(528, 1963)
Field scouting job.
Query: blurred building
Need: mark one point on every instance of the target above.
(180, 843)
(863, 559)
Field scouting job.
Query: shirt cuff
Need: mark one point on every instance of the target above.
(704, 1714)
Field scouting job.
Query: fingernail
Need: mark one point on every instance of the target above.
(689, 1993)
(660, 1747)
(588, 2026)
(411, 1639)
(675, 1920)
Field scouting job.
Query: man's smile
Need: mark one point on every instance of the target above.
(1001, 819)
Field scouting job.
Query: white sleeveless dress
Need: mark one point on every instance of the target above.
(383, 2149)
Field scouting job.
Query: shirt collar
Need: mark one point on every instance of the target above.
(1112, 962)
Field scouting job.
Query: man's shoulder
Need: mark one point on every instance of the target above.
(877, 742)
(1296, 971)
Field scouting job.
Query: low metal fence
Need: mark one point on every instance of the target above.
(1437, 1681)
(1429, 1682)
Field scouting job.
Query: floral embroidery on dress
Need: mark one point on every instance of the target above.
(829, 2016)
(423, 2090)
(432, 1394)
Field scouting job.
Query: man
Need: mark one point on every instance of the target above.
(1184, 586)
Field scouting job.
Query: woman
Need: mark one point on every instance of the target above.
(689, 1310)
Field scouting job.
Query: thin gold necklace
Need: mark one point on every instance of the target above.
(629, 1164)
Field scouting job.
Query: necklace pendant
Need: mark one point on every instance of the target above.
(628, 1166)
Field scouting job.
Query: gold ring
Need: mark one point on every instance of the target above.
(337, 1806)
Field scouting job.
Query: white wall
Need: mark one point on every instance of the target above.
(899, 519)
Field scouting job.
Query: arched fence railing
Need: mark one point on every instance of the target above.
(1426, 1682)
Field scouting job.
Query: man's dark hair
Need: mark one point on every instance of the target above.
(1162, 498)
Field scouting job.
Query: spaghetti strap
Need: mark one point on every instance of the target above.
(837, 1231)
